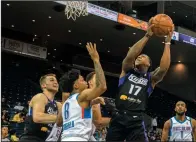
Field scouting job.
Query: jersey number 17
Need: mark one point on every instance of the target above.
(134, 89)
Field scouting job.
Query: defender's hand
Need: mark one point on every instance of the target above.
(169, 36)
(98, 100)
(92, 51)
(149, 30)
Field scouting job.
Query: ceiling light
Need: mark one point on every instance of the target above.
(54, 49)
(163, 42)
(49, 17)
(53, 67)
(174, 12)
(80, 43)
(35, 35)
(12, 26)
(48, 35)
(69, 31)
(48, 53)
(186, 16)
(101, 39)
(33, 20)
(61, 60)
(134, 33)
(108, 50)
(8, 4)
(179, 61)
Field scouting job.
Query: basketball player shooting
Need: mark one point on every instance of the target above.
(76, 110)
(136, 83)
(43, 111)
(179, 127)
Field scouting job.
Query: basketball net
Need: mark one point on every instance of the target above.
(74, 9)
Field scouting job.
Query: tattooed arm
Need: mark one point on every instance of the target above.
(134, 51)
(160, 72)
(100, 87)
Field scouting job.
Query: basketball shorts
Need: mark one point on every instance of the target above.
(127, 126)
(73, 139)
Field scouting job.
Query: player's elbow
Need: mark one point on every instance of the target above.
(97, 123)
(102, 88)
(59, 123)
(36, 118)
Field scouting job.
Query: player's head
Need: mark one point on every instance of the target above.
(180, 108)
(72, 81)
(90, 79)
(143, 61)
(49, 82)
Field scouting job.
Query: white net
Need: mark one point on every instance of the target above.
(74, 9)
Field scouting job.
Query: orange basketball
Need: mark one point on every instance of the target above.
(162, 23)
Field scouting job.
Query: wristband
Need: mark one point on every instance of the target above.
(168, 43)
(147, 35)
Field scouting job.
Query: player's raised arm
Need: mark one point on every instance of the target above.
(100, 87)
(135, 50)
(165, 131)
(160, 72)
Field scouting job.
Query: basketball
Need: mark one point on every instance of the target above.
(163, 24)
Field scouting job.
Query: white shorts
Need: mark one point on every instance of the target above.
(73, 139)
(92, 138)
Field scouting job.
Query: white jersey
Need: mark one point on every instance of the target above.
(181, 131)
(77, 121)
(54, 134)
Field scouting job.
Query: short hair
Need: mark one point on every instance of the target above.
(89, 76)
(67, 80)
(42, 78)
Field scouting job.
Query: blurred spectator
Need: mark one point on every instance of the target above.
(4, 104)
(4, 133)
(4, 117)
(103, 135)
(19, 117)
(13, 135)
(19, 107)
(154, 123)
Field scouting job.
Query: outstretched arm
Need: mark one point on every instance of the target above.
(165, 131)
(160, 72)
(134, 51)
(100, 87)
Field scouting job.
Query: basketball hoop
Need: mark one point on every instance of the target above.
(74, 9)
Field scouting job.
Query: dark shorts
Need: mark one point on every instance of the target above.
(30, 138)
(127, 126)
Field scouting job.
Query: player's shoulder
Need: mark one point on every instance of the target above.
(193, 121)
(168, 123)
(39, 97)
